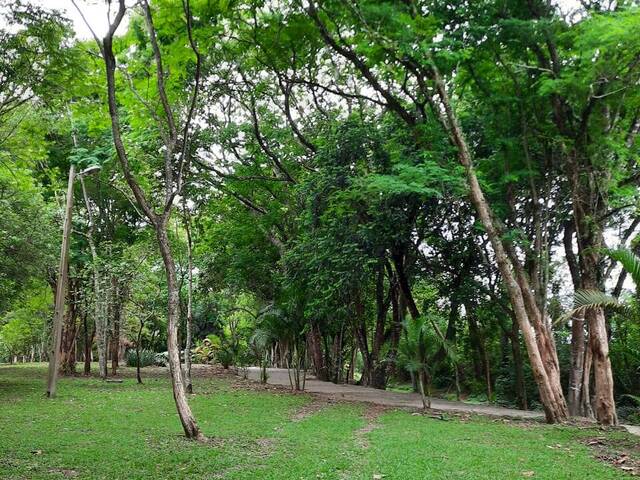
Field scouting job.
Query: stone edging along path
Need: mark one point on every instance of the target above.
(356, 393)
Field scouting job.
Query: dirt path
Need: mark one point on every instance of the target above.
(355, 393)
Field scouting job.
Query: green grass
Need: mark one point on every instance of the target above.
(102, 430)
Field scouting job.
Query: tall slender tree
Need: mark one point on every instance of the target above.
(175, 127)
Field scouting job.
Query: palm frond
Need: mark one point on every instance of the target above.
(634, 398)
(262, 338)
(629, 260)
(584, 300)
(449, 349)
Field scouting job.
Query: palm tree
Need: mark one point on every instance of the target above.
(264, 336)
(417, 353)
(287, 329)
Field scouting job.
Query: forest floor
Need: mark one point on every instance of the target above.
(104, 430)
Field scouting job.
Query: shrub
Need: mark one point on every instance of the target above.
(161, 359)
(204, 352)
(147, 358)
(224, 357)
(629, 409)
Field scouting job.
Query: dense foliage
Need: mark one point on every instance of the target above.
(381, 192)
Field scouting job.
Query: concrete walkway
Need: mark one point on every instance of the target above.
(355, 393)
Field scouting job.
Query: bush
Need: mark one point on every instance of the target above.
(146, 358)
(161, 359)
(629, 409)
(224, 357)
(204, 352)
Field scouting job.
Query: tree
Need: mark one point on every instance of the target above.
(35, 62)
(392, 39)
(176, 153)
(26, 247)
(23, 330)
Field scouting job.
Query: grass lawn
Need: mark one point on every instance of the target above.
(127, 431)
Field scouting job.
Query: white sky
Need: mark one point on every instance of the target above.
(95, 11)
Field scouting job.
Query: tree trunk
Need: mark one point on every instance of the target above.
(189, 326)
(138, 345)
(403, 283)
(574, 395)
(363, 347)
(159, 221)
(478, 338)
(69, 333)
(315, 343)
(521, 391)
(98, 306)
(586, 385)
(352, 364)
(189, 424)
(424, 395)
(117, 313)
(88, 342)
(378, 367)
(546, 376)
(604, 403)
(101, 325)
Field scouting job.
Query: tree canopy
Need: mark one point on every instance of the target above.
(377, 192)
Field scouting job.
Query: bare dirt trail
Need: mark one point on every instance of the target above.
(355, 393)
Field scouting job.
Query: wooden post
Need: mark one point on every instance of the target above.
(54, 357)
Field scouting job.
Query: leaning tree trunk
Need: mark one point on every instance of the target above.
(542, 363)
(179, 392)
(425, 395)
